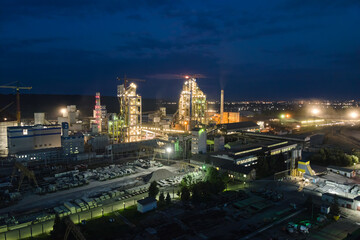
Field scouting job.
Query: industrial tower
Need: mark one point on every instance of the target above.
(97, 112)
(192, 104)
(127, 128)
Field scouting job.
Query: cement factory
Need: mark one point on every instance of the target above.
(86, 167)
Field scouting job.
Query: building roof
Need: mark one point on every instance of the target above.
(239, 125)
(146, 201)
(340, 169)
(230, 165)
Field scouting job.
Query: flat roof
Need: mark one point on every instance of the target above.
(239, 125)
(340, 168)
(146, 201)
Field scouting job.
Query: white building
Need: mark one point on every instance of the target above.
(198, 141)
(70, 115)
(3, 136)
(146, 204)
(28, 138)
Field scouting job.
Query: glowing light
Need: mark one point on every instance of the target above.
(282, 116)
(287, 115)
(63, 110)
(315, 111)
(354, 114)
(168, 150)
(187, 77)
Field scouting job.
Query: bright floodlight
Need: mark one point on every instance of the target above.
(315, 111)
(168, 150)
(63, 110)
(354, 114)
(186, 77)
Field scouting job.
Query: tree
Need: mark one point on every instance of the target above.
(185, 194)
(168, 199)
(59, 228)
(153, 189)
(161, 199)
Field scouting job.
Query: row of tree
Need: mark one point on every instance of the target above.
(199, 191)
(267, 165)
(337, 157)
(154, 191)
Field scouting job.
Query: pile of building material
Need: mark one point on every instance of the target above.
(158, 175)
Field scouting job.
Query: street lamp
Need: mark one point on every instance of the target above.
(168, 150)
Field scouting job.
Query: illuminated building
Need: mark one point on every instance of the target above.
(192, 104)
(97, 112)
(127, 126)
(198, 141)
(72, 144)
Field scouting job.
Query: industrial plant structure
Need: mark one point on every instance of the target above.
(127, 126)
(192, 104)
(97, 112)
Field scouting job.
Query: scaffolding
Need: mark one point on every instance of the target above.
(192, 104)
(127, 126)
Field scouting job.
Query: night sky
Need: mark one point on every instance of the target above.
(258, 49)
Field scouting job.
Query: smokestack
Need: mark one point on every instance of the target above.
(221, 106)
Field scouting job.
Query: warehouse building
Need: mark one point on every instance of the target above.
(30, 138)
(349, 173)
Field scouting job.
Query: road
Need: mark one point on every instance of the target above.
(34, 202)
(253, 234)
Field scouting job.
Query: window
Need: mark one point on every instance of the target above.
(25, 132)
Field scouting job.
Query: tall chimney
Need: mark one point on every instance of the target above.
(221, 106)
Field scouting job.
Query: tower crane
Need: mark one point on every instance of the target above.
(17, 87)
(126, 80)
(24, 171)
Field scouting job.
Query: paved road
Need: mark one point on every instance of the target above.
(33, 201)
(251, 235)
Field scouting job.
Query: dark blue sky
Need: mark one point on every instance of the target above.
(258, 49)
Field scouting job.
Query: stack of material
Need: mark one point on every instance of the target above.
(158, 175)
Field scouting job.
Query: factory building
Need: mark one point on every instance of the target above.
(3, 136)
(127, 126)
(226, 117)
(192, 104)
(73, 144)
(98, 143)
(247, 126)
(198, 141)
(47, 155)
(71, 115)
(246, 156)
(29, 138)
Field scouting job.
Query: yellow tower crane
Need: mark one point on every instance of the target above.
(18, 112)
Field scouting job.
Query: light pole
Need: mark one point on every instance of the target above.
(168, 150)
